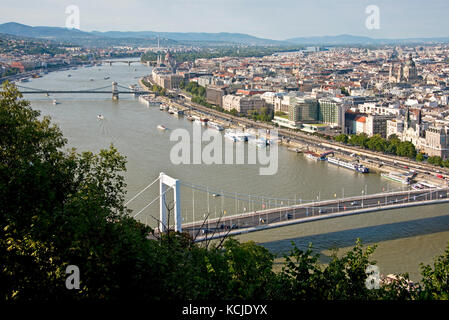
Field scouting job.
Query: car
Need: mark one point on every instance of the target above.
(205, 231)
(234, 226)
(289, 216)
(322, 211)
(354, 203)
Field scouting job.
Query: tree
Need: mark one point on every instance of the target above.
(435, 279)
(343, 138)
(420, 157)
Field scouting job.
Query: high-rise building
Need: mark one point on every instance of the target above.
(331, 112)
(303, 109)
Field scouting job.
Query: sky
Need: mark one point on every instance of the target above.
(279, 20)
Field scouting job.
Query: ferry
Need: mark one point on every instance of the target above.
(423, 185)
(215, 126)
(396, 177)
(314, 156)
(348, 165)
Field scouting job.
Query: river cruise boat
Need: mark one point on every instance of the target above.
(314, 156)
(348, 165)
(396, 177)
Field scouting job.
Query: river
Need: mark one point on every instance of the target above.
(405, 237)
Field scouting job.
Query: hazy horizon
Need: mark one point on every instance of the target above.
(282, 20)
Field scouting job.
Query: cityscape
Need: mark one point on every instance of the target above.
(212, 165)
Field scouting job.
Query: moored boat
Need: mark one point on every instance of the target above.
(396, 177)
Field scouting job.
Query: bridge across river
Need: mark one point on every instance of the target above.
(218, 227)
(115, 90)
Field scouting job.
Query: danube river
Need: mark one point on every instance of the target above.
(405, 237)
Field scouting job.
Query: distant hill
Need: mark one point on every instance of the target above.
(340, 39)
(167, 38)
(193, 36)
(359, 40)
(54, 33)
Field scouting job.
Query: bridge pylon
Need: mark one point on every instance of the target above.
(164, 182)
(114, 91)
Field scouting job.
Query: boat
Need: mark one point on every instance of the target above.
(55, 102)
(204, 121)
(24, 80)
(348, 165)
(396, 177)
(190, 118)
(91, 79)
(106, 78)
(297, 150)
(100, 117)
(214, 125)
(423, 185)
(69, 75)
(161, 127)
(314, 156)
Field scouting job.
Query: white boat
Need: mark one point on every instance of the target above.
(100, 117)
(396, 177)
(348, 165)
(314, 156)
(106, 78)
(55, 102)
(162, 127)
(215, 126)
(423, 185)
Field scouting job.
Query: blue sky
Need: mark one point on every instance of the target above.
(279, 19)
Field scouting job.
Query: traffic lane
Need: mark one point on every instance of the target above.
(259, 219)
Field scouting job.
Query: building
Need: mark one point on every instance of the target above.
(331, 112)
(215, 94)
(377, 124)
(303, 109)
(242, 104)
(437, 142)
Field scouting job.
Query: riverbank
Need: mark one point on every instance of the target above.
(378, 163)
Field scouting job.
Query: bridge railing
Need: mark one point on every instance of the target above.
(317, 204)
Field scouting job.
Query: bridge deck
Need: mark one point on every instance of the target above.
(272, 218)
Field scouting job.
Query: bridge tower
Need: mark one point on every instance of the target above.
(114, 91)
(164, 182)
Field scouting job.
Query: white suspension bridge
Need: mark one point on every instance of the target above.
(272, 213)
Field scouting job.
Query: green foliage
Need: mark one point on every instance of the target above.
(376, 143)
(435, 280)
(60, 207)
(420, 157)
